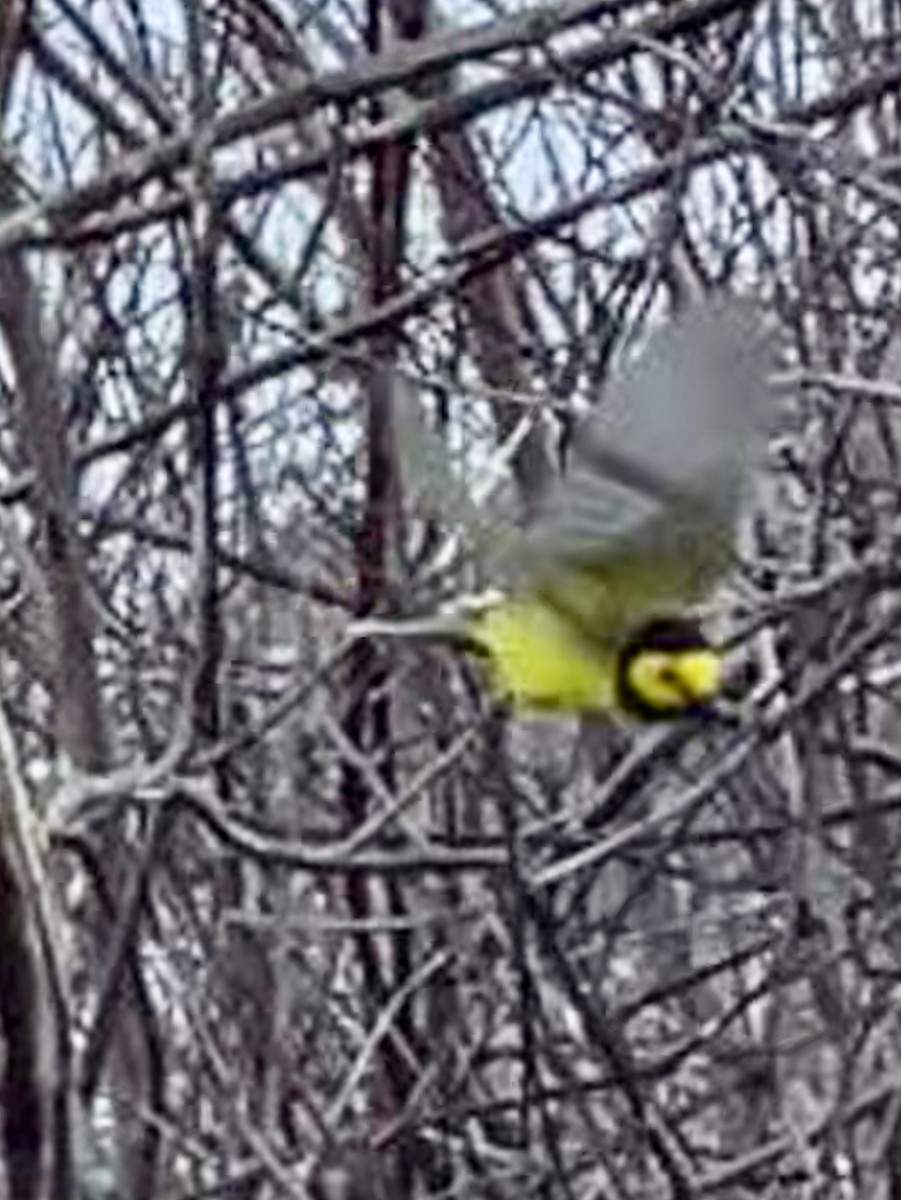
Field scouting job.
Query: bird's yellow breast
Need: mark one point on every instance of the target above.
(537, 660)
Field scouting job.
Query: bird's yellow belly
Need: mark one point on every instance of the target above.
(538, 661)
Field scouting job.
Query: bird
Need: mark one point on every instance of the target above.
(597, 606)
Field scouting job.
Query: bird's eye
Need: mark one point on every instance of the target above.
(669, 674)
(672, 677)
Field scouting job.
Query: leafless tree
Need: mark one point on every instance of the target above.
(288, 914)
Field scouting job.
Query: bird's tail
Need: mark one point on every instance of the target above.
(436, 626)
(456, 623)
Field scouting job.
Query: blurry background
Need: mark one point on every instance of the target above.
(280, 917)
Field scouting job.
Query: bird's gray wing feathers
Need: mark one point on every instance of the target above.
(435, 489)
(674, 435)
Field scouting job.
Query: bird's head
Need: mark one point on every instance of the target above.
(667, 668)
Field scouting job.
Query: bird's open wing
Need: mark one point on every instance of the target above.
(672, 441)
(488, 539)
(658, 472)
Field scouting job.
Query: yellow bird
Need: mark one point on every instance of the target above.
(595, 612)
